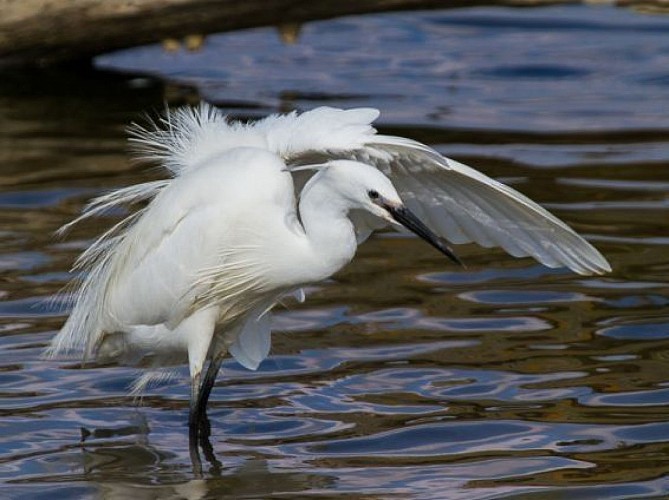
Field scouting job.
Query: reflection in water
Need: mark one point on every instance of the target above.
(253, 479)
(401, 376)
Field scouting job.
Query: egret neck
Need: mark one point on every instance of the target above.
(329, 232)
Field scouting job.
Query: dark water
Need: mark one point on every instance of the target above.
(403, 377)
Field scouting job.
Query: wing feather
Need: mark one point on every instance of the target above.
(465, 205)
(460, 203)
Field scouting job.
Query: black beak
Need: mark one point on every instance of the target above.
(412, 223)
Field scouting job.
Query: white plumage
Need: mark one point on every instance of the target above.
(195, 273)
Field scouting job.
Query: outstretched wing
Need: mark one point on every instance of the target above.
(458, 202)
(464, 205)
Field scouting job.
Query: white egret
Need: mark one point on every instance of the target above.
(194, 273)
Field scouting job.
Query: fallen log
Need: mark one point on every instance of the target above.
(46, 32)
(43, 32)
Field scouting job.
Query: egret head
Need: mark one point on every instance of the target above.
(364, 187)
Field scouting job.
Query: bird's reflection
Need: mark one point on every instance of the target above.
(198, 447)
(141, 470)
(203, 442)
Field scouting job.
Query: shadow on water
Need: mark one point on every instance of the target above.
(403, 375)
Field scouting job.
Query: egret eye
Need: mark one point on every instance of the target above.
(374, 195)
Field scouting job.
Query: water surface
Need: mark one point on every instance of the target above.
(402, 376)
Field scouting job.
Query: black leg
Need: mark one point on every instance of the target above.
(194, 413)
(195, 458)
(209, 455)
(208, 382)
(198, 424)
(193, 427)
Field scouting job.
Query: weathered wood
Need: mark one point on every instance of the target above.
(38, 32)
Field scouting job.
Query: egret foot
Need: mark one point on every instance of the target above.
(199, 426)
